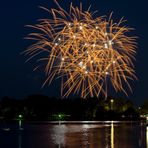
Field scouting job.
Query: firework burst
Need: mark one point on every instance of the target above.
(86, 53)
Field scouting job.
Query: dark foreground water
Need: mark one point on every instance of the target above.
(82, 135)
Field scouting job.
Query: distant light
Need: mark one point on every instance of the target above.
(63, 59)
(111, 100)
(69, 24)
(86, 72)
(85, 44)
(59, 39)
(20, 116)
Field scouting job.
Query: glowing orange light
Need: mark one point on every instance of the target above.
(86, 53)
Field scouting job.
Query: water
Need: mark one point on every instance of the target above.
(80, 135)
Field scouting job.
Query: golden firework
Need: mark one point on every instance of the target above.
(86, 53)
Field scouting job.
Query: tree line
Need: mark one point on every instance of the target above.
(39, 107)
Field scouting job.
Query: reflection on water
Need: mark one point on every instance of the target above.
(20, 140)
(102, 135)
(109, 135)
(112, 135)
(147, 136)
(58, 135)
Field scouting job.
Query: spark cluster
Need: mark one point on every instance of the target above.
(88, 54)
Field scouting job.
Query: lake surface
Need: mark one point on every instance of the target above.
(81, 135)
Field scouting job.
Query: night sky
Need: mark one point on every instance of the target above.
(17, 78)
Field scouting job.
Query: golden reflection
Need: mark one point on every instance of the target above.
(146, 136)
(109, 134)
(112, 134)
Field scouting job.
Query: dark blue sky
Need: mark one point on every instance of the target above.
(16, 77)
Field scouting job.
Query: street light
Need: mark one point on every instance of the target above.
(112, 101)
(20, 118)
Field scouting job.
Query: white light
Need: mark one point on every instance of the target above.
(85, 126)
(85, 44)
(81, 64)
(59, 39)
(81, 27)
(105, 46)
(114, 62)
(74, 36)
(97, 27)
(69, 24)
(91, 61)
(106, 34)
(84, 67)
(87, 52)
(107, 73)
(110, 42)
(63, 59)
(56, 44)
(94, 45)
(86, 72)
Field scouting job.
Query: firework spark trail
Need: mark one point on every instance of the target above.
(85, 53)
